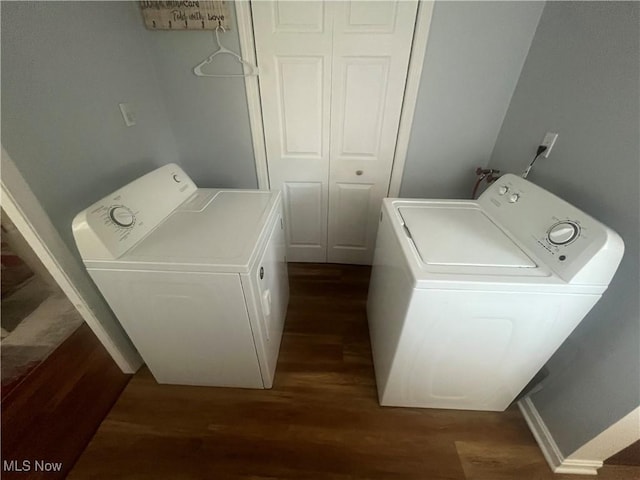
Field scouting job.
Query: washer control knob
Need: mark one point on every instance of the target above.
(563, 233)
(176, 178)
(514, 198)
(121, 216)
(503, 190)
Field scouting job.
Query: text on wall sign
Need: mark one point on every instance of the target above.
(185, 15)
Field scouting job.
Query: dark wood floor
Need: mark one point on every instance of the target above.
(321, 420)
(53, 413)
(628, 456)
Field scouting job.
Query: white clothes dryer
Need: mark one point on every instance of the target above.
(196, 277)
(469, 299)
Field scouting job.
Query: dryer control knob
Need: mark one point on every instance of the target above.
(503, 190)
(514, 198)
(122, 216)
(563, 233)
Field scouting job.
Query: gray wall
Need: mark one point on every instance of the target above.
(65, 68)
(474, 56)
(209, 116)
(581, 80)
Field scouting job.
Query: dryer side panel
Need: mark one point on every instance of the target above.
(268, 284)
(190, 328)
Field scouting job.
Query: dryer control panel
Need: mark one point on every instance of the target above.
(576, 246)
(114, 224)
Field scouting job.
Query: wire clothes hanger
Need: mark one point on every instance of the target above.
(224, 51)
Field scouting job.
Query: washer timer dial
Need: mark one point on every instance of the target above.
(122, 216)
(563, 233)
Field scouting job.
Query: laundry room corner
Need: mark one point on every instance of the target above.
(462, 100)
(578, 79)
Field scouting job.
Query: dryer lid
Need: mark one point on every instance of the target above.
(216, 230)
(462, 236)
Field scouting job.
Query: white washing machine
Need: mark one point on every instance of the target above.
(197, 277)
(469, 299)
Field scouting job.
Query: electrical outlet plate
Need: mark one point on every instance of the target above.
(549, 141)
(128, 114)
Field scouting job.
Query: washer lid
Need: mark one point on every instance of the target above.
(460, 237)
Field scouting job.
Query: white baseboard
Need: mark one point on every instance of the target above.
(550, 450)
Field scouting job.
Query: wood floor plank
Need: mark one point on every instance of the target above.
(54, 412)
(630, 456)
(507, 461)
(321, 420)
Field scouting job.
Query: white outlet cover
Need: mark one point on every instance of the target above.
(128, 114)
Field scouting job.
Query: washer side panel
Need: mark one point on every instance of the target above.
(477, 350)
(390, 291)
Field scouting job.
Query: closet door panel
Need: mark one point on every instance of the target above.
(293, 48)
(371, 47)
(351, 226)
(304, 208)
(364, 83)
(298, 17)
(332, 78)
(300, 87)
(370, 17)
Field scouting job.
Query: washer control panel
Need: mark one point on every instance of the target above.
(111, 226)
(563, 232)
(558, 233)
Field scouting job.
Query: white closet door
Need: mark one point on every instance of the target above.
(293, 47)
(332, 78)
(372, 43)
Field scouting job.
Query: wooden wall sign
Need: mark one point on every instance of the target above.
(185, 15)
